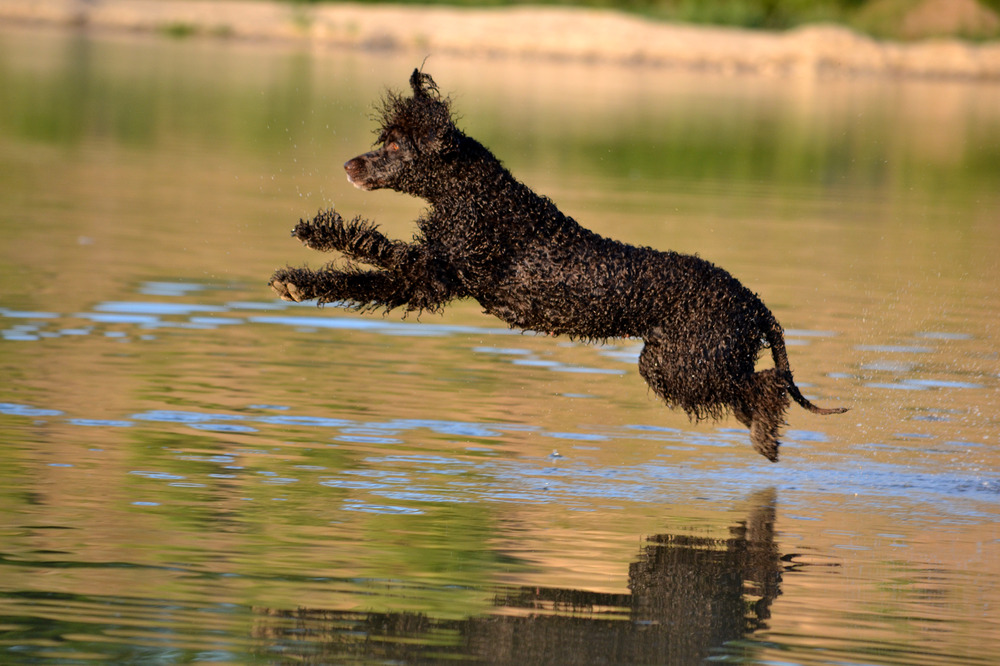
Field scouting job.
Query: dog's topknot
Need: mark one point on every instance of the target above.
(423, 85)
(425, 117)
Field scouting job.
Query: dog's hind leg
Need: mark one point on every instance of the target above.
(707, 385)
(762, 409)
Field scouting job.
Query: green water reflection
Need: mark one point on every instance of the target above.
(875, 135)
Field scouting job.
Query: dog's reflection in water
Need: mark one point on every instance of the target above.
(689, 596)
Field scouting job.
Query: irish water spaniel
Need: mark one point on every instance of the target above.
(489, 237)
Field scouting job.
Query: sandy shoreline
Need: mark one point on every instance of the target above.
(526, 32)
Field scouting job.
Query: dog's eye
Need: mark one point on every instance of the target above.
(392, 146)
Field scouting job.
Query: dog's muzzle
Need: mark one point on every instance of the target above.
(357, 173)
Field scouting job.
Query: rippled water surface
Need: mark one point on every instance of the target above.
(194, 471)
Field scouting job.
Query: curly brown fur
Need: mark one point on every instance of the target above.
(489, 237)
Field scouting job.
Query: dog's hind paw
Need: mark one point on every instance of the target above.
(764, 437)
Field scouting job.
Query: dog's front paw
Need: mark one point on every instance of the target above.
(318, 232)
(287, 291)
(283, 284)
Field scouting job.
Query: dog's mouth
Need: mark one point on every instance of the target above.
(360, 184)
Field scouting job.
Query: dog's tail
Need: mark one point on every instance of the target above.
(775, 337)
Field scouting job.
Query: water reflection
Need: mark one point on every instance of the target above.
(689, 598)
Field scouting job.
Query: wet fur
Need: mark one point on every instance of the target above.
(489, 237)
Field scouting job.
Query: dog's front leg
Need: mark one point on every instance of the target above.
(358, 239)
(358, 289)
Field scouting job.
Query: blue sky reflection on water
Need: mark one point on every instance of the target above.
(574, 476)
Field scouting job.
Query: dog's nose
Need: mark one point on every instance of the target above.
(357, 174)
(355, 165)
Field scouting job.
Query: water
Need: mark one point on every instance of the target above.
(194, 471)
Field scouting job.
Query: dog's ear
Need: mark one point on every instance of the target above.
(423, 85)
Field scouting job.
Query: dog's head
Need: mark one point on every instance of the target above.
(415, 132)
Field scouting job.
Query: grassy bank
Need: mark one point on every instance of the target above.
(535, 32)
(888, 19)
